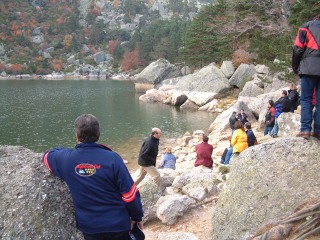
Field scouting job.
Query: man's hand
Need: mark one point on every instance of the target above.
(140, 224)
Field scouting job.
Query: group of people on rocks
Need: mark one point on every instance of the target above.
(106, 199)
(288, 102)
(242, 136)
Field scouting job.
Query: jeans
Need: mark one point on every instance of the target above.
(228, 156)
(308, 84)
(108, 236)
(275, 129)
(267, 130)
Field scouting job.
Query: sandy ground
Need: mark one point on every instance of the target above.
(197, 221)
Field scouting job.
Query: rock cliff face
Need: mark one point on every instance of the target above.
(33, 204)
(267, 182)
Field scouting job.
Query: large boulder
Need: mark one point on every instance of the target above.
(243, 74)
(178, 98)
(150, 193)
(274, 83)
(252, 88)
(289, 124)
(201, 98)
(207, 79)
(227, 68)
(153, 95)
(170, 207)
(266, 182)
(189, 105)
(33, 204)
(156, 72)
(99, 57)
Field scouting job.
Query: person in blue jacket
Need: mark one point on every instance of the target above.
(106, 201)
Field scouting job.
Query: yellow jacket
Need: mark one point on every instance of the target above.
(239, 141)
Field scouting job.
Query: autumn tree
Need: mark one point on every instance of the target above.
(130, 60)
(67, 42)
(16, 68)
(56, 65)
(112, 45)
(2, 67)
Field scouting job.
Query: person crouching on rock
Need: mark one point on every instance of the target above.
(204, 152)
(168, 159)
(239, 142)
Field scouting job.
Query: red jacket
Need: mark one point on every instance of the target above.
(313, 101)
(306, 52)
(204, 152)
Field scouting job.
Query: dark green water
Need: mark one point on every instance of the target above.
(40, 114)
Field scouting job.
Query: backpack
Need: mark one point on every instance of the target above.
(223, 157)
(294, 98)
(268, 116)
(286, 105)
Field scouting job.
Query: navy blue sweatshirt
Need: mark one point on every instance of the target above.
(103, 192)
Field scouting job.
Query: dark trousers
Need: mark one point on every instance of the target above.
(108, 236)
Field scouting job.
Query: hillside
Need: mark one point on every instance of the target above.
(85, 36)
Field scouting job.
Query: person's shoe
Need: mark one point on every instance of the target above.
(316, 135)
(305, 135)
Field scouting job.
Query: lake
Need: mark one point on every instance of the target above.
(40, 114)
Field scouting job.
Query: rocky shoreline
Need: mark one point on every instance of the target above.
(62, 76)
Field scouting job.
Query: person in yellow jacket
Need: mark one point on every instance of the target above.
(239, 141)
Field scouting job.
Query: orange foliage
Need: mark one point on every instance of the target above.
(39, 58)
(3, 8)
(68, 9)
(17, 33)
(14, 26)
(240, 56)
(130, 60)
(2, 67)
(57, 64)
(116, 3)
(113, 44)
(60, 20)
(96, 12)
(16, 68)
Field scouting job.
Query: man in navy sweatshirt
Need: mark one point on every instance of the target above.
(106, 201)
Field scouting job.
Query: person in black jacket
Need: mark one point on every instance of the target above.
(305, 62)
(294, 97)
(232, 120)
(148, 157)
(283, 104)
(250, 134)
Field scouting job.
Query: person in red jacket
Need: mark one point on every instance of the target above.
(204, 152)
(305, 62)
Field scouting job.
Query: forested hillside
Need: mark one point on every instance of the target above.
(42, 36)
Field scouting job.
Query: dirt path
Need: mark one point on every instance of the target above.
(197, 221)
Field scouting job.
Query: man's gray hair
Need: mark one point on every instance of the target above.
(87, 128)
